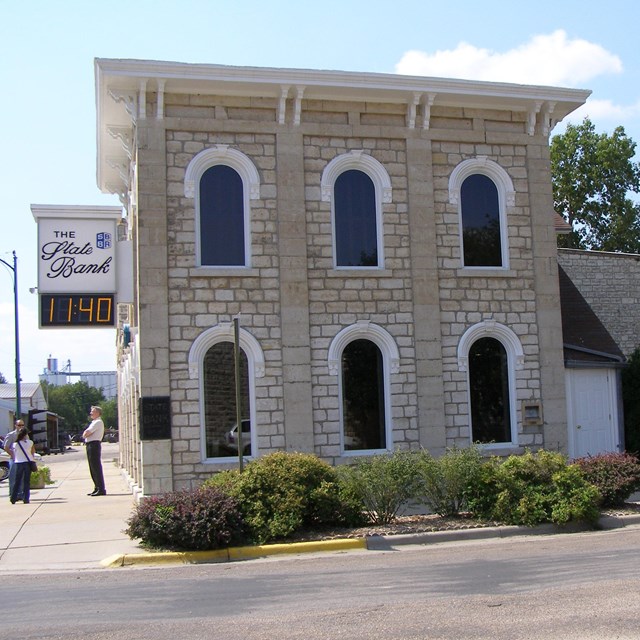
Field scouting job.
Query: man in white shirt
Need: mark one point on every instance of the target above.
(93, 440)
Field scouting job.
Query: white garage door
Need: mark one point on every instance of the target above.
(592, 412)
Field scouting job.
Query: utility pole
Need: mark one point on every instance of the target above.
(14, 268)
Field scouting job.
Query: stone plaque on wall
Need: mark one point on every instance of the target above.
(155, 418)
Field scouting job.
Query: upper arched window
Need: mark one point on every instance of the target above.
(481, 229)
(355, 221)
(357, 185)
(223, 181)
(483, 191)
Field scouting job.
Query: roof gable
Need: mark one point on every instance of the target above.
(585, 338)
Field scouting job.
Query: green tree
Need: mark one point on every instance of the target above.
(110, 413)
(593, 176)
(72, 402)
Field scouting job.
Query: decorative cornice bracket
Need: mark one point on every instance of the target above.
(533, 115)
(426, 110)
(282, 104)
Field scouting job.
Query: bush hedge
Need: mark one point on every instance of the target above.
(201, 519)
(283, 493)
(445, 482)
(530, 489)
(616, 475)
(382, 483)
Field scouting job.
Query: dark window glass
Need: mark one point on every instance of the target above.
(480, 222)
(363, 396)
(355, 220)
(220, 401)
(489, 387)
(222, 231)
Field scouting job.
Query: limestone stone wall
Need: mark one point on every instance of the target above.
(199, 300)
(294, 302)
(469, 298)
(610, 283)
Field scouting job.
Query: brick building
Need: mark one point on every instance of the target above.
(386, 243)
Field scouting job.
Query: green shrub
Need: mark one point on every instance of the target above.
(283, 493)
(533, 488)
(202, 519)
(382, 484)
(616, 475)
(631, 402)
(41, 477)
(445, 482)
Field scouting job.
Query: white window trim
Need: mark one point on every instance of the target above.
(360, 161)
(506, 200)
(515, 362)
(366, 330)
(224, 332)
(222, 154)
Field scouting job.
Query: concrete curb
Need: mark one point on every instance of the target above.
(370, 543)
(232, 553)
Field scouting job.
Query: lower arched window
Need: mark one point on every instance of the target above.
(363, 397)
(489, 392)
(221, 430)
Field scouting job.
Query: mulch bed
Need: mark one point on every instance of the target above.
(424, 524)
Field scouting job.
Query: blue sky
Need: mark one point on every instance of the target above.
(48, 107)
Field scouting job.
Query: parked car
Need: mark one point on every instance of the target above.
(110, 435)
(231, 438)
(4, 465)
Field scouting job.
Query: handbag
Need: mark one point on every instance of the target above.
(33, 465)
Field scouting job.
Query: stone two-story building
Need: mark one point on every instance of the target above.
(382, 247)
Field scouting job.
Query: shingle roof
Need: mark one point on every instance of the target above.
(584, 336)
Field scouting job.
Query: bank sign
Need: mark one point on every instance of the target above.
(76, 255)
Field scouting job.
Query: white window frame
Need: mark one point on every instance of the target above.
(224, 332)
(506, 200)
(222, 154)
(360, 161)
(515, 362)
(366, 330)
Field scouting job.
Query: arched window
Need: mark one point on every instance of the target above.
(363, 356)
(356, 232)
(363, 401)
(483, 192)
(212, 363)
(357, 185)
(489, 396)
(480, 213)
(222, 223)
(223, 181)
(491, 353)
(219, 398)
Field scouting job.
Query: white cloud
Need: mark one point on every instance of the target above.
(605, 110)
(551, 59)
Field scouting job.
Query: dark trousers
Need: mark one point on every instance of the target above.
(22, 482)
(94, 452)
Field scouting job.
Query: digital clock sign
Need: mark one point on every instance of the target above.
(77, 310)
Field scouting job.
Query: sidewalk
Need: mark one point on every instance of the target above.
(62, 528)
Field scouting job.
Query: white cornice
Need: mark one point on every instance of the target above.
(119, 82)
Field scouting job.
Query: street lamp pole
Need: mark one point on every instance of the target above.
(14, 268)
